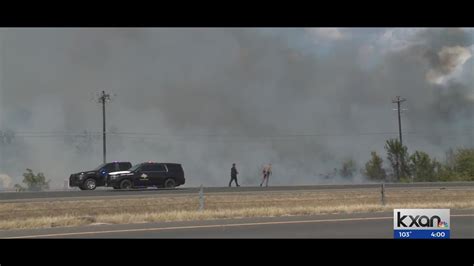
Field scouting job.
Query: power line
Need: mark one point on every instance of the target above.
(91, 133)
(84, 132)
(238, 137)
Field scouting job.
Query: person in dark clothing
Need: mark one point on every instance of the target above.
(233, 175)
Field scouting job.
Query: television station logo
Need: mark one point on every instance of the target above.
(421, 223)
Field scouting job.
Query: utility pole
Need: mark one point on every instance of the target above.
(398, 101)
(103, 99)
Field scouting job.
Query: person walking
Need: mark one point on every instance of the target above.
(233, 175)
(267, 171)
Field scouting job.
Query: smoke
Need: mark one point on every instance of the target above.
(449, 60)
(327, 33)
(5, 182)
(210, 97)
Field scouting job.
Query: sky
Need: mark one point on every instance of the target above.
(303, 99)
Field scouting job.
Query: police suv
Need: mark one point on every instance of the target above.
(149, 174)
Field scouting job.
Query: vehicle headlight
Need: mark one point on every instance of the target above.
(81, 176)
(113, 177)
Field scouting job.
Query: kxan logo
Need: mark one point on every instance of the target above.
(421, 223)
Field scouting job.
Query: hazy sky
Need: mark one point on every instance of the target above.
(304, 99)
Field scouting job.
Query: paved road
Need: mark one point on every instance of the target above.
(103, 192)
(361, 225)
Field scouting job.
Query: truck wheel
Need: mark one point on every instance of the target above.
(126, 184)
(170, 183)
(89, 184)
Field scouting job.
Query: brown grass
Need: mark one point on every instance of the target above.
(219, 206)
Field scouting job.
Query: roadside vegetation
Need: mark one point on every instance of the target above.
(33, 182)
(419, 166)
(184, 207)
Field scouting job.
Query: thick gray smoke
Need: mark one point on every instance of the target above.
(209, 97)
(5, 182)
(448, 61)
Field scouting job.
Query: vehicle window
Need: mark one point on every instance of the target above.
(124, 166)
(174, 167)
(160, 167)
(135, 167)
(154, 167)
(110, 167)
(147, 167)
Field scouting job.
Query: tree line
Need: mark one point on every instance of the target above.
(416, 167)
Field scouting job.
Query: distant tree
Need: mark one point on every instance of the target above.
(463, 165)
(19, 188)
(422, 167)
(397, 155)
(459, 165)
(33, 182)
(348, 169)
(373, 168)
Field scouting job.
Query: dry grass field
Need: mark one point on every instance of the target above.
(22, 215)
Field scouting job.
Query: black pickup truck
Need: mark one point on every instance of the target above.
(89, 180)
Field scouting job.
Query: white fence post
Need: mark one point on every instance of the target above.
(201, 199)
(383, 194)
